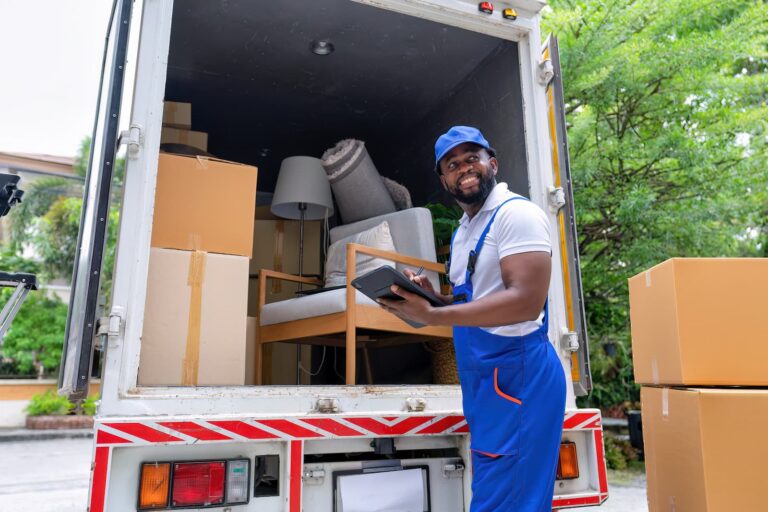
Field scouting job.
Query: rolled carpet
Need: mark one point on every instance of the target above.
(357, 186)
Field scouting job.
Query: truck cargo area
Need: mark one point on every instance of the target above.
(262, 93)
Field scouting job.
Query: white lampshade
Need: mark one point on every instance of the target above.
(302, 179)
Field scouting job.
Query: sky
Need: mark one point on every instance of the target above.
(50, 63)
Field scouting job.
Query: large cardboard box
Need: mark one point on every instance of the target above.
(276, 247)
(204, 204)
(194, 319)
(177, 114)
(700, 321)
(705, 449)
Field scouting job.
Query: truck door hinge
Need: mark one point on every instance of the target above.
(545, 72)
(453, 470)
(133, 138)
(415, 404)
(313, 475)
(569, 340)
(327, 405)
(556, 198)
(116, 323)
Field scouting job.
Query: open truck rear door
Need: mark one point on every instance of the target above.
(77, 355)
(575, 339)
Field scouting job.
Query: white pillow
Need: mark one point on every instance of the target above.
(377, 237)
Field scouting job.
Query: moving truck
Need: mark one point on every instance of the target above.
(265, 85)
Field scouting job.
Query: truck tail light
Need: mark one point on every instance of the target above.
(155, 482)
(184, 484)
(198, 483)
(237, 481)
(568, 464)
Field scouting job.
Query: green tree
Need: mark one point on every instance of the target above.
(48, 221)
(667, 111)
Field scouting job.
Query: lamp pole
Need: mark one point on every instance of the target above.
(302, 213)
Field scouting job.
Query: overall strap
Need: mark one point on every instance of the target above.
(472, 260)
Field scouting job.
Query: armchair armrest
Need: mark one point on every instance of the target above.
(265, 274)
(353, 249)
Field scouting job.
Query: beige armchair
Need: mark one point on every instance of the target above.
(345, 317)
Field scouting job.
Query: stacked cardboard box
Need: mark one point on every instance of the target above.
(698, 342)
(177, 126)
(197, 289)
(276, 247)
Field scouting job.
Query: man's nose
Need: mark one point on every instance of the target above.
(465, 167)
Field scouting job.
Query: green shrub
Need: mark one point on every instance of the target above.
(52, 404)
(49, 404)
(89, 406)
(619, 453)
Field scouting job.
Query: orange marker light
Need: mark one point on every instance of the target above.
(509, 14)
(568, 464)
(155, 482)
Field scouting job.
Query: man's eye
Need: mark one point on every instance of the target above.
(472, 158)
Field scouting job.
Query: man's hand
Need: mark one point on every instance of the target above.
(412, 307)
(424, 282)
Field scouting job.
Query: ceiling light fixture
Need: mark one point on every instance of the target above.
(322, 47)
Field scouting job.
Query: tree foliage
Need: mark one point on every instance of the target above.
(47, 222)
(668, 125)
(36, 337)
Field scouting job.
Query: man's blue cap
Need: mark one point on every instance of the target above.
(455, 136)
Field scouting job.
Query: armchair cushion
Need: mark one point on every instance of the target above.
(377, 237)
(309, 306)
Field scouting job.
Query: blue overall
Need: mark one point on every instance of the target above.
(513, 390)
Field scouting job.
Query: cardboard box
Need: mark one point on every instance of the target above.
(177, 114)
(700, 321)
(198, 140)
(276, 247)
(204, 204)
(194, 319)
(705, 449)
(278, 359)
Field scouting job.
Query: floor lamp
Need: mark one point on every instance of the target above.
(302, 193)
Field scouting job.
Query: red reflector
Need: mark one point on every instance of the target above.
(198, 483)
(486, 7)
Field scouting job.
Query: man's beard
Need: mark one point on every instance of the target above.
(487, 182)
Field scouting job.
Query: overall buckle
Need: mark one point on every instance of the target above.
(471, 262)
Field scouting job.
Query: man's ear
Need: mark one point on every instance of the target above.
(442, 180)
(494, 165)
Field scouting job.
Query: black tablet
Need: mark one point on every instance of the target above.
(376, 284)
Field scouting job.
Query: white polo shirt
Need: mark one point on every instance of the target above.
(520, 226)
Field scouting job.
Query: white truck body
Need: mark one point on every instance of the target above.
(136, 424)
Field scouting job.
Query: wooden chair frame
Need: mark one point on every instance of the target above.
(355, 316)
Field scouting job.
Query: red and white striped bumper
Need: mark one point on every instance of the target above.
(128, 432)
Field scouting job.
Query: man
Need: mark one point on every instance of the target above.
(512, 382)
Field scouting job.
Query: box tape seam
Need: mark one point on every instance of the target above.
(191, 362)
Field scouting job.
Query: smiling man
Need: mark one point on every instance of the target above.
(512, 382)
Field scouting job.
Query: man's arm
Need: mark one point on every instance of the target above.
(526, 280)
